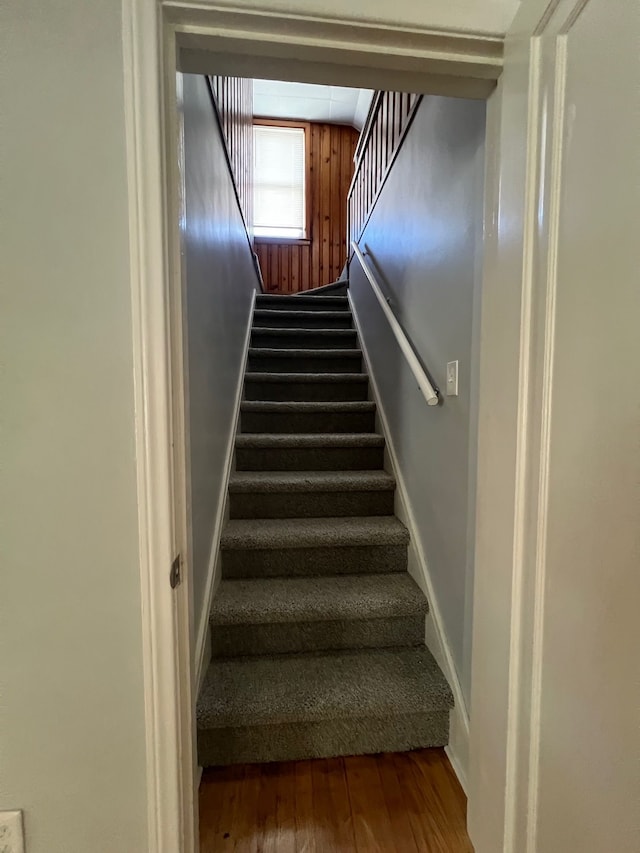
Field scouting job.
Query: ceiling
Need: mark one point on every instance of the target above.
(311, 102)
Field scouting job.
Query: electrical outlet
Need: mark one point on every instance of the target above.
(452, 379)
(11, 834)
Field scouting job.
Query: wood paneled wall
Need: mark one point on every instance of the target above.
(388, 121)
(233, 98)
(296, 266)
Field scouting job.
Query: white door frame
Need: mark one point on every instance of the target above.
(517, 345)
(437, 62)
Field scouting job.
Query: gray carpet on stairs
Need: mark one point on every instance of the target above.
(298, 417)
(281, 615)
(296, 318)
(301, 338)
(288, 360)
(309, 452)
(317, 628)
(278, 600)
(302, 547)
(288, 707)
(306, 387)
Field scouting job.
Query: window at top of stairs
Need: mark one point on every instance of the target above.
(279, 182)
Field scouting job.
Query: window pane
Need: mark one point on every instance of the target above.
(279, 203)
(277, 231)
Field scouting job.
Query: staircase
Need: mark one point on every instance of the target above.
(317, 630)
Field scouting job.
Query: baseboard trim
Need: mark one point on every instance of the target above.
(458, 769)
(202, 635)
(435, 636)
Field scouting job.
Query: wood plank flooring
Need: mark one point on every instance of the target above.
(390, 803)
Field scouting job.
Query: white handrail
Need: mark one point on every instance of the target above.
(428, 391)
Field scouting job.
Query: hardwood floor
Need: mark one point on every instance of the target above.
(390, 803)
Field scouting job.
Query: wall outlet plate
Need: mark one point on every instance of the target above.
(11, 832)
(452, 379)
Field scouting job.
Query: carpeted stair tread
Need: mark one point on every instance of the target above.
(297, 417)
(295, 406)
(310, 493)
(305, 352)
(308, 378)
(306, 439)
(300, 314)
(302, 302)
(278, 533)
(278, 689)
(342, 597)
(310, 481)
(292, 332)
(292, 338)
(305, 361)
(268, 352)
(285, 387)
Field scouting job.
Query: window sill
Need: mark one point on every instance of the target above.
(283, 241)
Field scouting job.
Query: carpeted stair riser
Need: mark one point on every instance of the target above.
(309, 458)
(302, 319)
(294, 420)
(320, 739)
(310, 494)
(263, 360)
(304, 338)
(303, 615)
(327, 388)
(358, 683)
(230, 641)
(279, 707)
(287, 504)
(313, 562)
(335, 288)
(302, 302)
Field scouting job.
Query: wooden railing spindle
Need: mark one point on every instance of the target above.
(389, 118)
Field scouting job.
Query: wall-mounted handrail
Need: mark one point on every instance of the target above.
(430, 393)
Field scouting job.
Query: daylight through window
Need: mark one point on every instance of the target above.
(279, 185)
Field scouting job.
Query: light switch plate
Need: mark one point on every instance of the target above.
(452, 379)
(11, 833)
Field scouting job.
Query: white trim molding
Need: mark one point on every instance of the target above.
(518, 299)
(216, 38)
(166, 658)
(544, 183)
(213, 574)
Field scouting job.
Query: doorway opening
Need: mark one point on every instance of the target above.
(189, 53)
(270, 376)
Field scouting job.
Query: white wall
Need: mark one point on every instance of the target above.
(220, 281)
(424, 237)
(490, 16)
(72, 738)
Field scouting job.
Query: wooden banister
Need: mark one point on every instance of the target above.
(388, 121)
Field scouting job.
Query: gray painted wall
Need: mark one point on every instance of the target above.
(220, 281)
(72, 737)
(425, 237)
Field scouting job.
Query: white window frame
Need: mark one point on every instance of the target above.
(305, 236)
